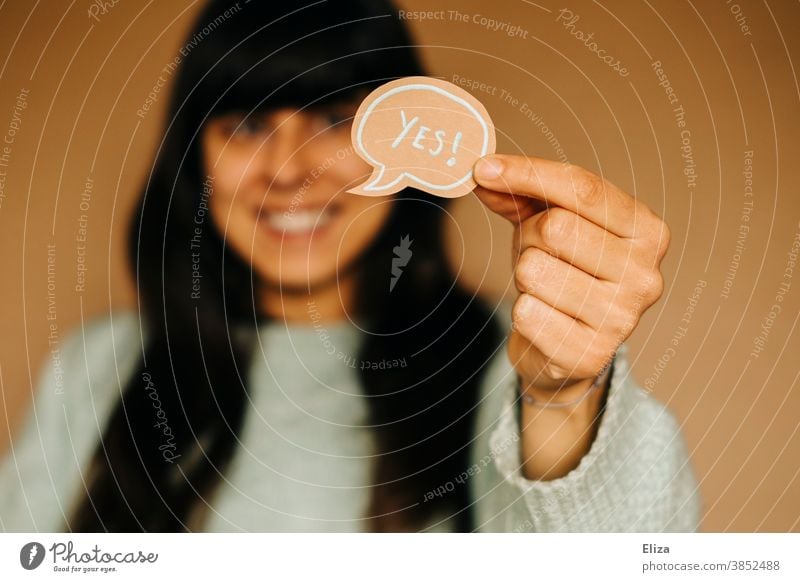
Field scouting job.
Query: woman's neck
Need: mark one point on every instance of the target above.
(330, 302)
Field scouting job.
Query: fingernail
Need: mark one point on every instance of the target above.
(488, 168)
(525, 305)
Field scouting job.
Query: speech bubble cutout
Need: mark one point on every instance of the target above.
(421, 132)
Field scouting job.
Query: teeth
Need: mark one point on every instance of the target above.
(299, 221)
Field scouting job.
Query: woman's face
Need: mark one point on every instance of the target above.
(279, 181)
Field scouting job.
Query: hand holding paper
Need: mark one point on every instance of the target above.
(586, 264)
(586, 254)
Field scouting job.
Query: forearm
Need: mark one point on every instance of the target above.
(554, 440)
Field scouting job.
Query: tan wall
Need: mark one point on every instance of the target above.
(86, 79)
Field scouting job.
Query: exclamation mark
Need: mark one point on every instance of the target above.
(452, 161)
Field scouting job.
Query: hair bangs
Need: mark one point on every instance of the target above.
(311, 57)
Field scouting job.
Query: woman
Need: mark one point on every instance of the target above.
(303, 358)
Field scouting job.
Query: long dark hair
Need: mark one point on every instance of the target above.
(264, 55)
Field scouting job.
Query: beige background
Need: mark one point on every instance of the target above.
(86, 79)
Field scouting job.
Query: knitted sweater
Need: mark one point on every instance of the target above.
(304, 459)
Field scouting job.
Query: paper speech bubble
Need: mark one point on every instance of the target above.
(421, 132)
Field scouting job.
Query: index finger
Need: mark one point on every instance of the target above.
(567, 186)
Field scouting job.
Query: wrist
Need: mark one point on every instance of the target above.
(569, 397)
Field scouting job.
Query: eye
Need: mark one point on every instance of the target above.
(331, 120)
(240, 126)
(249, 126)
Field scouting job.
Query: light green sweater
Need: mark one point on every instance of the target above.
(304, 460)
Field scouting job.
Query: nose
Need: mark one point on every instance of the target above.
(283, 156)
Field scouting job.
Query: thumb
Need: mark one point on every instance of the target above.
(513, 208)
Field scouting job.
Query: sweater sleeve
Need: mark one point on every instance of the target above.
(44, 468)
(636, 476)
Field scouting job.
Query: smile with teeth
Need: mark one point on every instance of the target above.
(299, 221)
